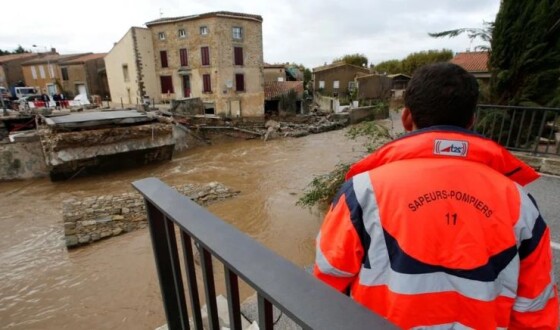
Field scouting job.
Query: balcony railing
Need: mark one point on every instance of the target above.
(534, 130)
(308, 302)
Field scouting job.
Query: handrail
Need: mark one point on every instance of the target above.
(278, 282)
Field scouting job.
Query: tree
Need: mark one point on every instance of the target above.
(484, 33)
(390, 66)
(525, 57)
(418, 59)
(18, 50)
(354, 59)
(413, 61)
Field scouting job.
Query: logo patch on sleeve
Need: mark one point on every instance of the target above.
(451, 148)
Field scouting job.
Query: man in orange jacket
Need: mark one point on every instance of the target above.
(434, 229)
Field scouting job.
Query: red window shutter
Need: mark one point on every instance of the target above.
(166, 84)
(205, 54)
(163, 55)
(183, 57)
(238, 56)
(240, 82)
(207, 86)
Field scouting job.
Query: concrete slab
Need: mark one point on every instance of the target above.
(97, 118)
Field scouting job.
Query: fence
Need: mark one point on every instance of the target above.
(535, 130)
(277, 282)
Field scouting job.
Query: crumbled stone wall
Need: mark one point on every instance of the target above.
(22, 160)
(93, 218)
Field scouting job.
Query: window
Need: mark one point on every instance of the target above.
(240, 82)
(321, 84)
(182, 33)
(64, 72)
(237, 32)
(336, 84)
(161, 36)
(125, 72)
(205, 55)
(206, 84)
(204, 30)
(42, 72)
(237, 55)
(280, 78)
(166, 84)
(351, 85)
(183, 57)
(51, 70)
(163, 55)
(33, 72)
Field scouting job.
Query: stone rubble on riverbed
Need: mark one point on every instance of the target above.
(93, 218)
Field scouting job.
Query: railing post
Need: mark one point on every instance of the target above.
(191, 279)
(167, 265)
(234, 309)
(209, 288)
(265, 313)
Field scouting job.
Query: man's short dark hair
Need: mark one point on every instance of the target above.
(441, 94)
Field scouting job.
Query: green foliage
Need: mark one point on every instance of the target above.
(525, 58)
(354, 59)
(323, 188)
(288, 102)
(416, 60)
(389, 67)
(18, 50)
(413, 61)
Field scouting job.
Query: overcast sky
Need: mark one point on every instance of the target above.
(310, 32)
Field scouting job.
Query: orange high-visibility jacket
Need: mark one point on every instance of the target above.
(434, 230)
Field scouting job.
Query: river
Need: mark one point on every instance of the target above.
(112, 284)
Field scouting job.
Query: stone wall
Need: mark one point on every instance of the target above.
(367, 113)
(22, 160)
(93, 218)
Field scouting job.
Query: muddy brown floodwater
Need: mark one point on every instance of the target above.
(112, 284)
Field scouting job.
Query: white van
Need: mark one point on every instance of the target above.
(21, 92)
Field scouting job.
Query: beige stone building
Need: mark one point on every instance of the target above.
(274, 72)
(337, 79)
(130, 67)
(10, 68)
(85, 75)
(216, 56)
(44, 72)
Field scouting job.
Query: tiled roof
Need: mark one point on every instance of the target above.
(164, 20)
(85, 58)
(339, 64)
(11, 57)
(472, 61)
(53, 58)
(274, 89)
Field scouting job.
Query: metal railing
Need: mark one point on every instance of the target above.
(534, 130)
(308, 302)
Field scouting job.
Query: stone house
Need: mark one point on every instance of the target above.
(130, 68)
(374, 87)
(44, 72)
(274, 90)
(11, 72)
(274, 72)
(400, 82)
(337, 79)
(85, 75)
(215, 56)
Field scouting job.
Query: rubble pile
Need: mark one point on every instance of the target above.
(309, 125)
(97, 217)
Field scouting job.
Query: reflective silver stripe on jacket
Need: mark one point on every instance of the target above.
(324, 265)
(528, 215)
(538, 303)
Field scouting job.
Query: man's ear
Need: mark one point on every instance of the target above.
(406, 119)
